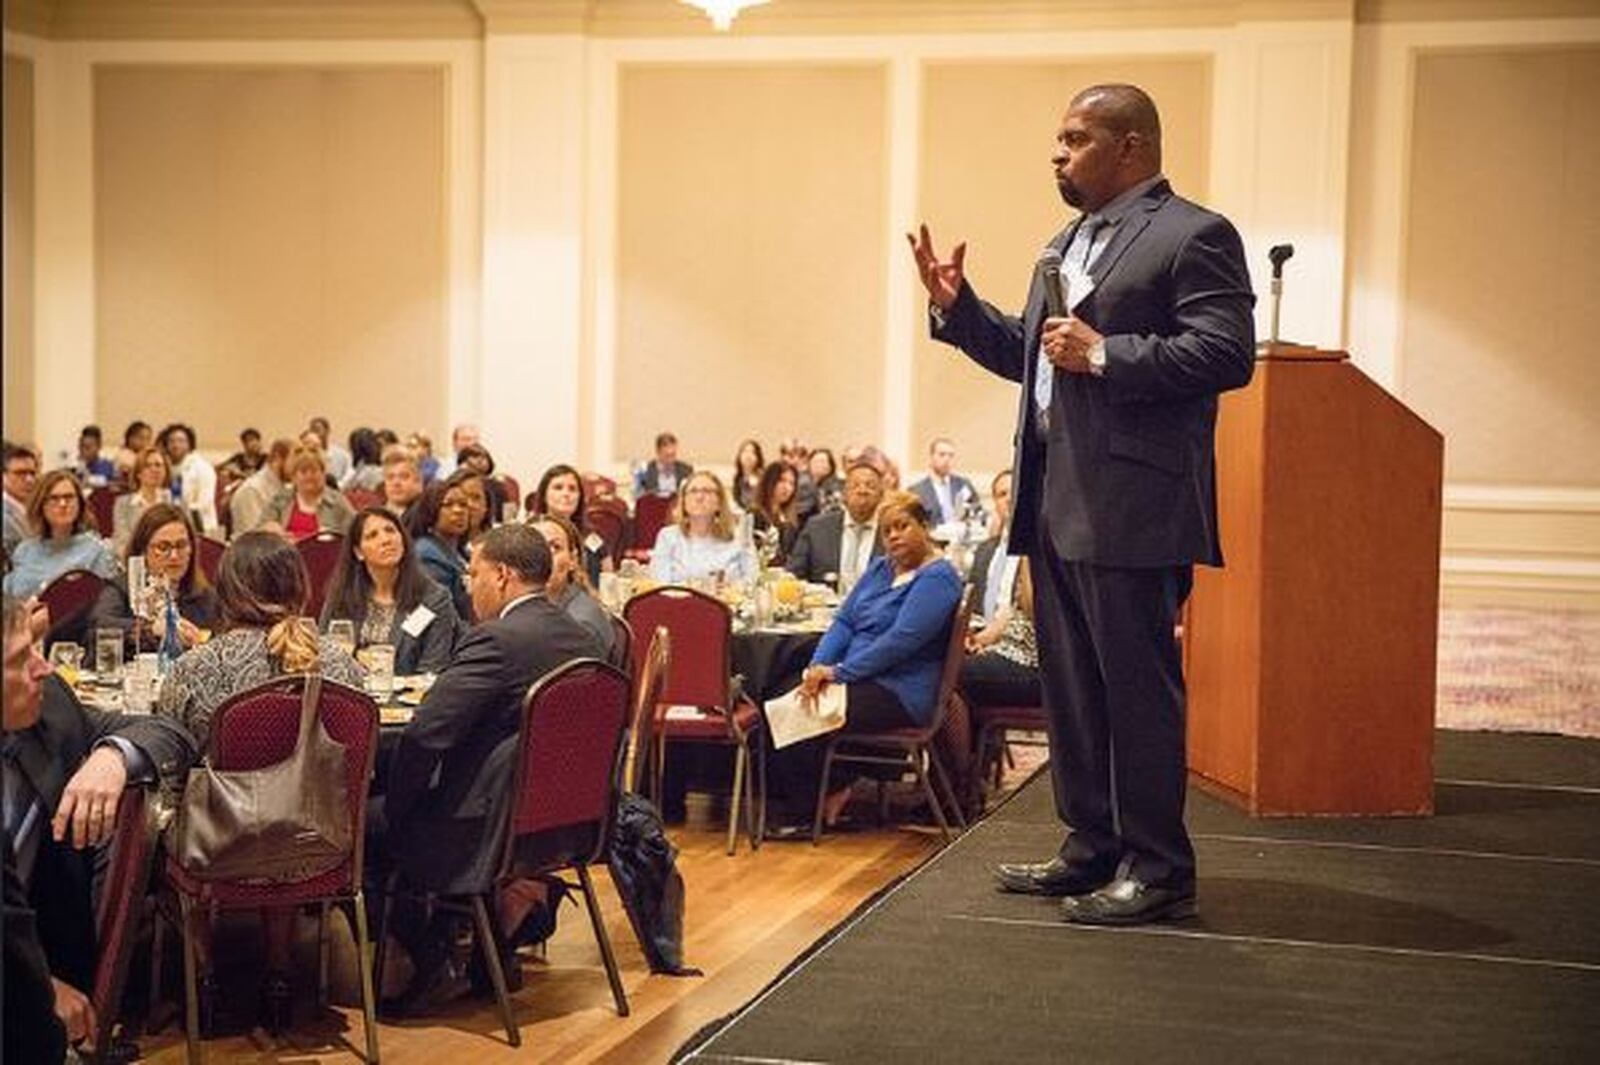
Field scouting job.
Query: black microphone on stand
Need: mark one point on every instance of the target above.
(1278, 254)
(1050, 274)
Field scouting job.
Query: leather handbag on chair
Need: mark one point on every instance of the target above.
(288, 821)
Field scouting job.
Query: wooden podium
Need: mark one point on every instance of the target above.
(1310, 657)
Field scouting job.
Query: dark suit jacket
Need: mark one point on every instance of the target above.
(652, 476)
(930, 498)
(978, 573)
(50, 752)
(33, 1032)
(451, 773)
(1127, 468)
(816, 550)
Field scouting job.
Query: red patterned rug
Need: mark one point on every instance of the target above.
(1517, 670)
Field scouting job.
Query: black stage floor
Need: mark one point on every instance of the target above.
(1473, 935)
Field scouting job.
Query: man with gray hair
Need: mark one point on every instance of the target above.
(450, 777)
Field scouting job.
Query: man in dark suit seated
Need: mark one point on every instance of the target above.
(666, 474)
(837, 545)
(993, 572)
(450, 777)
(51, 823)
(946, 494)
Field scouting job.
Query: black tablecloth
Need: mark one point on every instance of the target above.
(771, 662)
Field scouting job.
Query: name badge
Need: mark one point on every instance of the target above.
(593, 542)
(417, 621)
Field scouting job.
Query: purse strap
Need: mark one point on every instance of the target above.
(308, 709)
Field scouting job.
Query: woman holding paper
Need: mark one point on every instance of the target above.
(886, 645)
(381, 588)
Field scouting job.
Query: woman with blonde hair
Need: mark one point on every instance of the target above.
(151, 476)
(308, 505)
(699, 543)
(262, 591)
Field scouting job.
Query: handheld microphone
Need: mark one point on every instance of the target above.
(1050, 275)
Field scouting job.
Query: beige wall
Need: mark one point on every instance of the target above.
(987, 134)
(1503, 263)
(18, 248)
(750, 224)
(270, 243)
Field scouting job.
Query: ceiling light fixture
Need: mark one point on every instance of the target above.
(723, 12)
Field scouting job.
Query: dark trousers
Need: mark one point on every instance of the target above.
(795, 772)
(989, 679)
(1113, 687)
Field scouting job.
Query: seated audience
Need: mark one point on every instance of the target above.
(380, 587)
(699, 542)
(21, 474)
(775, 510)
(945, 493)
(450, 776)
(250, 506)
(665, 474)
(152, 484)
(308, 506)
(1002, 663)
(338, 459)
(825, 476)
(421, 445)
(247, 460)
(438, 527)
(793, 453)
(135, 438)
(65, 769)
(835, 546)
(994, 572)
(166, 541)
(63, 537)
(194, 482)
(480, 516)
(568, 587)
(262, 588)
(402, 479)
(476, 458)
(560, 494)
(748, 465)
(93, 468)
(366, 462)
(886, 645)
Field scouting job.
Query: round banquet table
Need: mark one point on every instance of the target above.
(771, 660)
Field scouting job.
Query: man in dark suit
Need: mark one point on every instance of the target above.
(946, 494)
(450, 777)
(994, 569)
(63, 769)
(1115, 495)
(838, 544)
(666, 474)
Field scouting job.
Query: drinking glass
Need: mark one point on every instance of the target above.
(380, 670)
(108, 655)
(342, 631)
(139, 687)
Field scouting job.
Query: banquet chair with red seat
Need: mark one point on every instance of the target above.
(611, 526)
(701, 702)
(362, 498)
(68, 599)
(122, 905)
(210, 552)
(565, 784)
(259, 728)
(913, 750)
(321, 554)
(103, 507)
(597, 486)
(650, 513)
(511, 492)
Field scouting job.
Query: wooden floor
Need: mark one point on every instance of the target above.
(748, 916)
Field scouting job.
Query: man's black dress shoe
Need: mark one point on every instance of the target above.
(1054, 878)
(1128, 900)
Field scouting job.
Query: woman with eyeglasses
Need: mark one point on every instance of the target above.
(380, 587)
(152, 484)
(167, 542)
(438, 525)
(699, 542)
(63, 538)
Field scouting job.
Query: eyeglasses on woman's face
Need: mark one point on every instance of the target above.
(168, 548)
(61, 499)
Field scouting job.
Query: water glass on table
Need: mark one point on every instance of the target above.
(380, 670)
(139, 686)
(342, 631)
(108, 656)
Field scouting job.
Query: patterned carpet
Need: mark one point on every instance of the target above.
(1517, 670)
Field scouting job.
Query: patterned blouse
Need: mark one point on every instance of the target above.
(209, 675)
(1018, 641)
